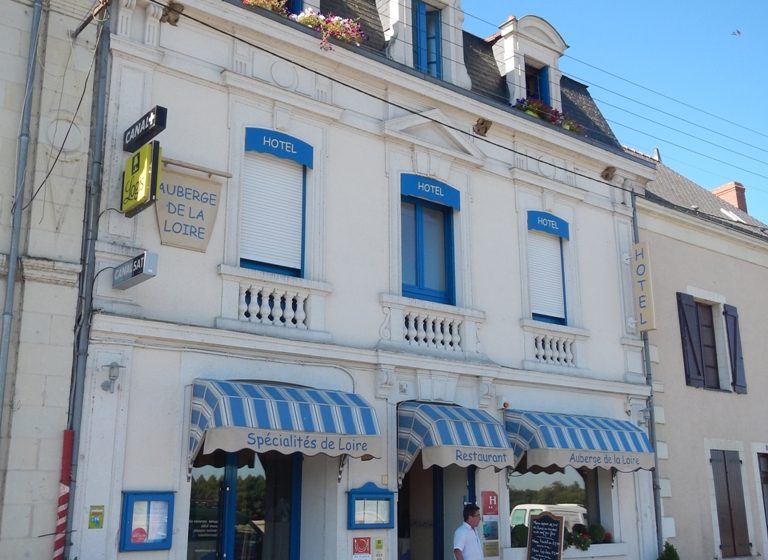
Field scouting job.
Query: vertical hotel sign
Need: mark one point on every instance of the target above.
(642, 288)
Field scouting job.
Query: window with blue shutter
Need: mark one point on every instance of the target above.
(426, 231)
(427, 56)
(537, 83)
(294, 6)
(272, 200)
(546, 273)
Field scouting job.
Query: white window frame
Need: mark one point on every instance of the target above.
(717, 301)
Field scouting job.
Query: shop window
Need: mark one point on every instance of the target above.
(272, 201)
(711, 340)
(537, 83)
(729, 498)
(547, 235)
(427, 55)
(572, 494)
(246, 511)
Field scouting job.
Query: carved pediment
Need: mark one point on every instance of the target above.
(434, 130)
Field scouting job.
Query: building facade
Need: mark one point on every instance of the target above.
(366, 289)
(709, 260)
(45, 93)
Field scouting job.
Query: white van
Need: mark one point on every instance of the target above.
(572, 514)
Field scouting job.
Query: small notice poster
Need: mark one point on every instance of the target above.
(545, 537)
(361, 548)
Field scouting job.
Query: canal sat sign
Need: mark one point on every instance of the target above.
(142, 169)
(140, 179)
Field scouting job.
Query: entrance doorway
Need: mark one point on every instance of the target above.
(429, 509)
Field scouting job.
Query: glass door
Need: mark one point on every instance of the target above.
(246, 511)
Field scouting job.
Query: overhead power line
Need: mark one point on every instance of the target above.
(416, 112)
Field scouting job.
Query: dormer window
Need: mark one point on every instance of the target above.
(537, 83)
(427, 56)
(527, 54)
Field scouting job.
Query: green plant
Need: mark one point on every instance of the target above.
(669, 553)
(330, 26)
(277, 6)
(550, 114)
(578, 538)
(596, 533)
(519, 536)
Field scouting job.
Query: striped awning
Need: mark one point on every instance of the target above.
(559, 440)
(235, 415)
(449, 434)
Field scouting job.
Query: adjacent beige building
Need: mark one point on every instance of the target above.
(710, 269)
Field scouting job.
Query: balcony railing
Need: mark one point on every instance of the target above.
(273, 304)
(432, 327)
(553, 345)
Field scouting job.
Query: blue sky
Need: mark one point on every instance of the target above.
(688, 78)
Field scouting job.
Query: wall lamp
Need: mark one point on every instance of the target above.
(114, 372)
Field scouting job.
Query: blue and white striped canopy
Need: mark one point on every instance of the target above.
(236, 415)
(562, 440)
(449, 434)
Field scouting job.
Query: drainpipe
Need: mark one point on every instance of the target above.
(88, 248)
(18, 201)
(650, 404)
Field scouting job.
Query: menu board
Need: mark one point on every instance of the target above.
(545, 537)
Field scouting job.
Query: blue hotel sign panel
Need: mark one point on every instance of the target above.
(430, 189)
(278, 144)
(548, 223)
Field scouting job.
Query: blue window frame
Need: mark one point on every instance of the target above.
(546, 270)
(294, 6)
(146, 521)
(273, 201)
(370, 507)
(427, 55)
(427, 250)
(537, 83)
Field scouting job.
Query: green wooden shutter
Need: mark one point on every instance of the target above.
(691, 339)
(729, 498)
(736, 358)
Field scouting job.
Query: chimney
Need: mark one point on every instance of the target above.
(733, 193)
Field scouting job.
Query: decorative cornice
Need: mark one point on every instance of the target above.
(50, 272)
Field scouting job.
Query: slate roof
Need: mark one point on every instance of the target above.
(487, 82)
(483, 70)
(675, 191)
(368, 15)
(579, 106)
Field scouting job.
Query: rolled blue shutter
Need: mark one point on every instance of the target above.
(691, 339)
(271, 210)
(736, 358)
(545, 275)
